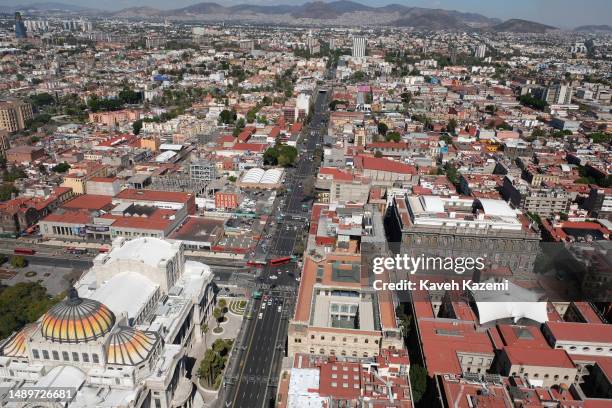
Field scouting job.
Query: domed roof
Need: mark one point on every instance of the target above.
(129, 346)
(16, 346)
(77, 320)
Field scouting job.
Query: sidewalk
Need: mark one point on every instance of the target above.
(230, 330)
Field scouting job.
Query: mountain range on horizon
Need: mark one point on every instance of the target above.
(339, 12)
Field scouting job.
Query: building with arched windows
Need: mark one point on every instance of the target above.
(121, 337)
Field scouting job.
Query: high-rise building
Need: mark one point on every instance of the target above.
(453, 54)
(20, 28)
(4, 142)
(312, 44)
(481, 51)
(14, 114)
(247, 44)
(332, 44)
(558, 94)
(77, 25)
(37, 25)
(359, 47)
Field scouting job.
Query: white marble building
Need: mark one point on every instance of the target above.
(121, 336)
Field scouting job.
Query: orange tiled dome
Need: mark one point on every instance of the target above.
(129, 346)
(16, 346)
(77, 320)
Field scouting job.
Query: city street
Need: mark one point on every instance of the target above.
(253, 382)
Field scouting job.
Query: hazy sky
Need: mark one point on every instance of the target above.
(560, 13)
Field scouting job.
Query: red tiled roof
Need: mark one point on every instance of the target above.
(89, 202)
(70, 217)
(336, 174)
(522, 336)
(585, 332)
(538, 357)
(252, 147)
(103, 179)
(154, 195)
(382, 164)
(442, 340)
(587, 312)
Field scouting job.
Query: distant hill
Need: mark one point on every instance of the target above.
(436, 19)
(341, 12)
(201, 8)
(43, 6)
(594, 28)
(338, 12)
(134, 12)
(522, 26)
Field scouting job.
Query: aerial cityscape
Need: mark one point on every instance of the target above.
(306, 205)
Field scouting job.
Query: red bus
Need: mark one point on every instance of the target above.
(256, 264)
(76, 251)
(24, 251)
(280, 261)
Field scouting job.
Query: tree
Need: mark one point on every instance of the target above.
(382, 128)
(18, 261)
(378, 154)
(270, 156)
(217, 314)
(38, 121)
(393, 137)
(61, 167)
(240, 123)
(532, 102)
(204, 330)
(7, 190)
(452, 125)
(406, 97)
(42, 99)
(14, 173)
(251, 115)
(21, 304)
(129, 96)
(137, 126)
(600, 137)
(452, 174)
(287, 155)
(227, 117)
(418, 381)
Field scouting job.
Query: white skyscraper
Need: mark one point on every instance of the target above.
(481, 51)
(359, 47)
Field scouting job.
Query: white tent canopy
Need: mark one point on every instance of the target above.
(516, 303)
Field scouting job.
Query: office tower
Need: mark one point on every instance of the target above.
(312, 44)
(453, 54)
(332, 44)
(359, 47)
(481, 51)
(37, 25)
(14, 114)
(20, 29)
(247, 45)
